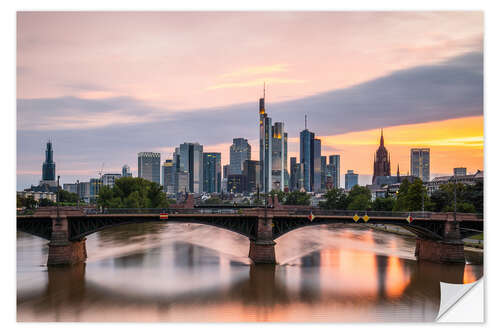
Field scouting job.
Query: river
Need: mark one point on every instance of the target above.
(197, 273)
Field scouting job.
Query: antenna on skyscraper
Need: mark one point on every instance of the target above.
(305, 121)
(264, 90)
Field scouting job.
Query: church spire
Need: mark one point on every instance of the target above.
(381, 136)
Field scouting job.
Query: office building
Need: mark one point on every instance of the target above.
(351, 179)
(212, 172)
(188, 158)
(235, 183)
(333, 170)
(279, 154)
(323, 173)
(168, 176)
(108, 179)
(148, 165)
(420, 163)
(126, 171)
(251, 173)
(239, 152)
(382, 161)
(71, 188)
(94, 187)
(460, 172)
(181, 182)
(310, 157)
(293, 174)
(265, 146)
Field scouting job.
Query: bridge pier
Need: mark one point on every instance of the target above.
(448, 250)
(262, 248)
(63, 251)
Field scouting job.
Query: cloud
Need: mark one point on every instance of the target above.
(115, 129)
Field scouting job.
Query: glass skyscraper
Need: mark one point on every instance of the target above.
(239, 152)
(351, 179)
(212, 172)
(265, 147)
(420, 163)
(279, 156)
(168, 173)
(189, 158)
(149, 166)
(333, 169)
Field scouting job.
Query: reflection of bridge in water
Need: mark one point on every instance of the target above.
(439, 235)
(263, 288)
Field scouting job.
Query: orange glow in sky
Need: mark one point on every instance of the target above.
(453, 143)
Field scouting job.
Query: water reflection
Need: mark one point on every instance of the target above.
(181, 281)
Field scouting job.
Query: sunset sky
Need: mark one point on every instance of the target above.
(107, 85)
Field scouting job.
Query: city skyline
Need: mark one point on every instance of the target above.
(77, 110)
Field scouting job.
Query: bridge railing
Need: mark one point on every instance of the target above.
(163, 210)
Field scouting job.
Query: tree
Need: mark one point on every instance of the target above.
(335, 199)
(297, 198)
(359, 198)
(131, 192)
(280, 194)
(44, 202)
(65, 196)
(213, 200)
(410, 196)
(384, 204)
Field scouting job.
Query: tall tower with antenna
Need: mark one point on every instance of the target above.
(265, 145)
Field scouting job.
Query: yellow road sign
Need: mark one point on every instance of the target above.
(366, 218)
(355, 217)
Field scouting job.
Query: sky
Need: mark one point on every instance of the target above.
(104, 86)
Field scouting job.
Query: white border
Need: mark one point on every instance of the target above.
(8, 167)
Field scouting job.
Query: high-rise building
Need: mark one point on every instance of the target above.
(323, 173)
(420, 163)
(333, 169)
(293, 174)
(251, 173)
(212, 172)
(95, 186)
(351, 179)
(168, 175)
(49, 166)
(279, 156)
(460, 172)
(149, 166)
(239, 152)
(265, 146)
(310, 157)
(382, 160)
(235, 183)
(189, 158)
(317, 165)
(126, 171)
(225, 171)
(108, 179)
(307, 158)
(181, 182)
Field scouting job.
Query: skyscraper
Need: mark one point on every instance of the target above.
(382, 160)
(420, 163)
(310, 157)
(279, 156)
(239, 152)
(460, 172)
(189, 158)
(251, 173)
(351, 179)
(265, 146)
(49, 166)
(317, 165)
(333, 169)
(212, 172)
(126, 171)
(149, 166)
(168, 175)
(293, 173)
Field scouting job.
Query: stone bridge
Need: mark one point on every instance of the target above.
(439, 235)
